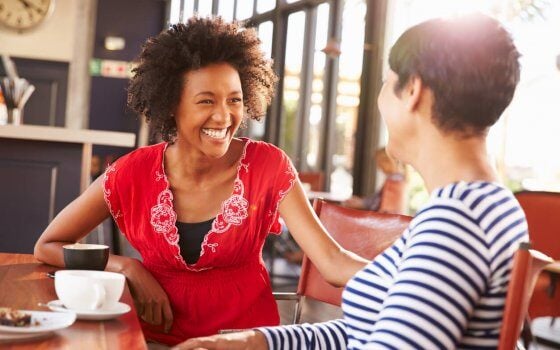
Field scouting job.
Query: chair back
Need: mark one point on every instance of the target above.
(527, 264)
(366, 233)
(542, 211)
(315, 179)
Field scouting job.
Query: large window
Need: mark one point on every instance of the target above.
(291, 108)
(348, 95)
(524, 142)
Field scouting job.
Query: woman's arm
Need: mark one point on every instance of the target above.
(327, 335)
(78, 219)
(73, 223)
(336, 264)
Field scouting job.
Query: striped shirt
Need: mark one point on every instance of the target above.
(442, 285)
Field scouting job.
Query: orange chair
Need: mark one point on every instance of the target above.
(315, 179)
(543, 217)
(527, 265)
(366, 233)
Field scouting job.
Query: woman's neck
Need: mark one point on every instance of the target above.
(196, 165)
(443, 160)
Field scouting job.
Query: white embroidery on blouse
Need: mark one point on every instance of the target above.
(159, 175)
(232, 212)
(283, 192)
(107, 191)
(163, 217)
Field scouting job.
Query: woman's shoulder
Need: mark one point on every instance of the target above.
(474, 195)
(481, 207)
(263, 150)
(142, 156)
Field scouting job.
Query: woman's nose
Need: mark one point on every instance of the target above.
(222, 113)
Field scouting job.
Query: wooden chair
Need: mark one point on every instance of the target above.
(315, 179)
(366, 233)
(542, 210)
(527, 265)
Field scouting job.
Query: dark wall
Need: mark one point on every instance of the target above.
(37, 180)
(135, 21)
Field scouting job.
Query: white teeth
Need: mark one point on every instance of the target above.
(215, 133)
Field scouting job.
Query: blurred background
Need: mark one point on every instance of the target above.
(330, 56)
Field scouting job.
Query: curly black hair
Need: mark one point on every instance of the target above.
(470, 63)
(156, 87)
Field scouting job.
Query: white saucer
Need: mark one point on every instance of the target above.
(20, 337)
(95, 315)
(42, 322)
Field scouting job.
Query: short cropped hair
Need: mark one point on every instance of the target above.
(470, 63)
(156, 87)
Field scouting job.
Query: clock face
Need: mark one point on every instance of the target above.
(24, 14)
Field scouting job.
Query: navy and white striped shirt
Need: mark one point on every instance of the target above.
(442, 285)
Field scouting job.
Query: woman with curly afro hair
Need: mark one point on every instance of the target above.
(199, 205)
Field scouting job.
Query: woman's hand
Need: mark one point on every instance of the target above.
(151, 301)
(253, 340)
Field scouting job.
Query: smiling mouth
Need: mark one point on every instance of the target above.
(216, 133)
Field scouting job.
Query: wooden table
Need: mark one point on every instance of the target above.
(24, 284)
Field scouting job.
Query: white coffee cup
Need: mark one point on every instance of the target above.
(89, 290)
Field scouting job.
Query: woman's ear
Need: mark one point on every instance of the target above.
(413, 92)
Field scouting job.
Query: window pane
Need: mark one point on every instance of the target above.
(244, 9)
(265, 5)
(316, 112)
(256, 129)
(533, 113)
(348, 95)
(225, 9)
(204, 7)
(523, 139)
(292, 72)
(265, 34)
(174, 11)
(188, 9)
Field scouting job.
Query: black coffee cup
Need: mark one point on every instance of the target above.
(86, 256)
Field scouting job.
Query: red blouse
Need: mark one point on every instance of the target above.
(228, 287)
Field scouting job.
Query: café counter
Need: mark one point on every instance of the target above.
(42, 169)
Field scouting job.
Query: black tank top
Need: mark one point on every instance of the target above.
(191, 236)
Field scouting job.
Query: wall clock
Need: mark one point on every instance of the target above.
(21, 15)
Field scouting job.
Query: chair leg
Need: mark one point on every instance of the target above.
(526, 333)
(297, 312)
(552, 321)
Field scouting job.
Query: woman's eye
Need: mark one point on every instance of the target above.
(235, 100)
(205, 102)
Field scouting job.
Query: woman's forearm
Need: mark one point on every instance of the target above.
(343, 266)
(50, 253)
(121, 264)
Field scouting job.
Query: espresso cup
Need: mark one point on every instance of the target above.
(89, 290)
(80, 256)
